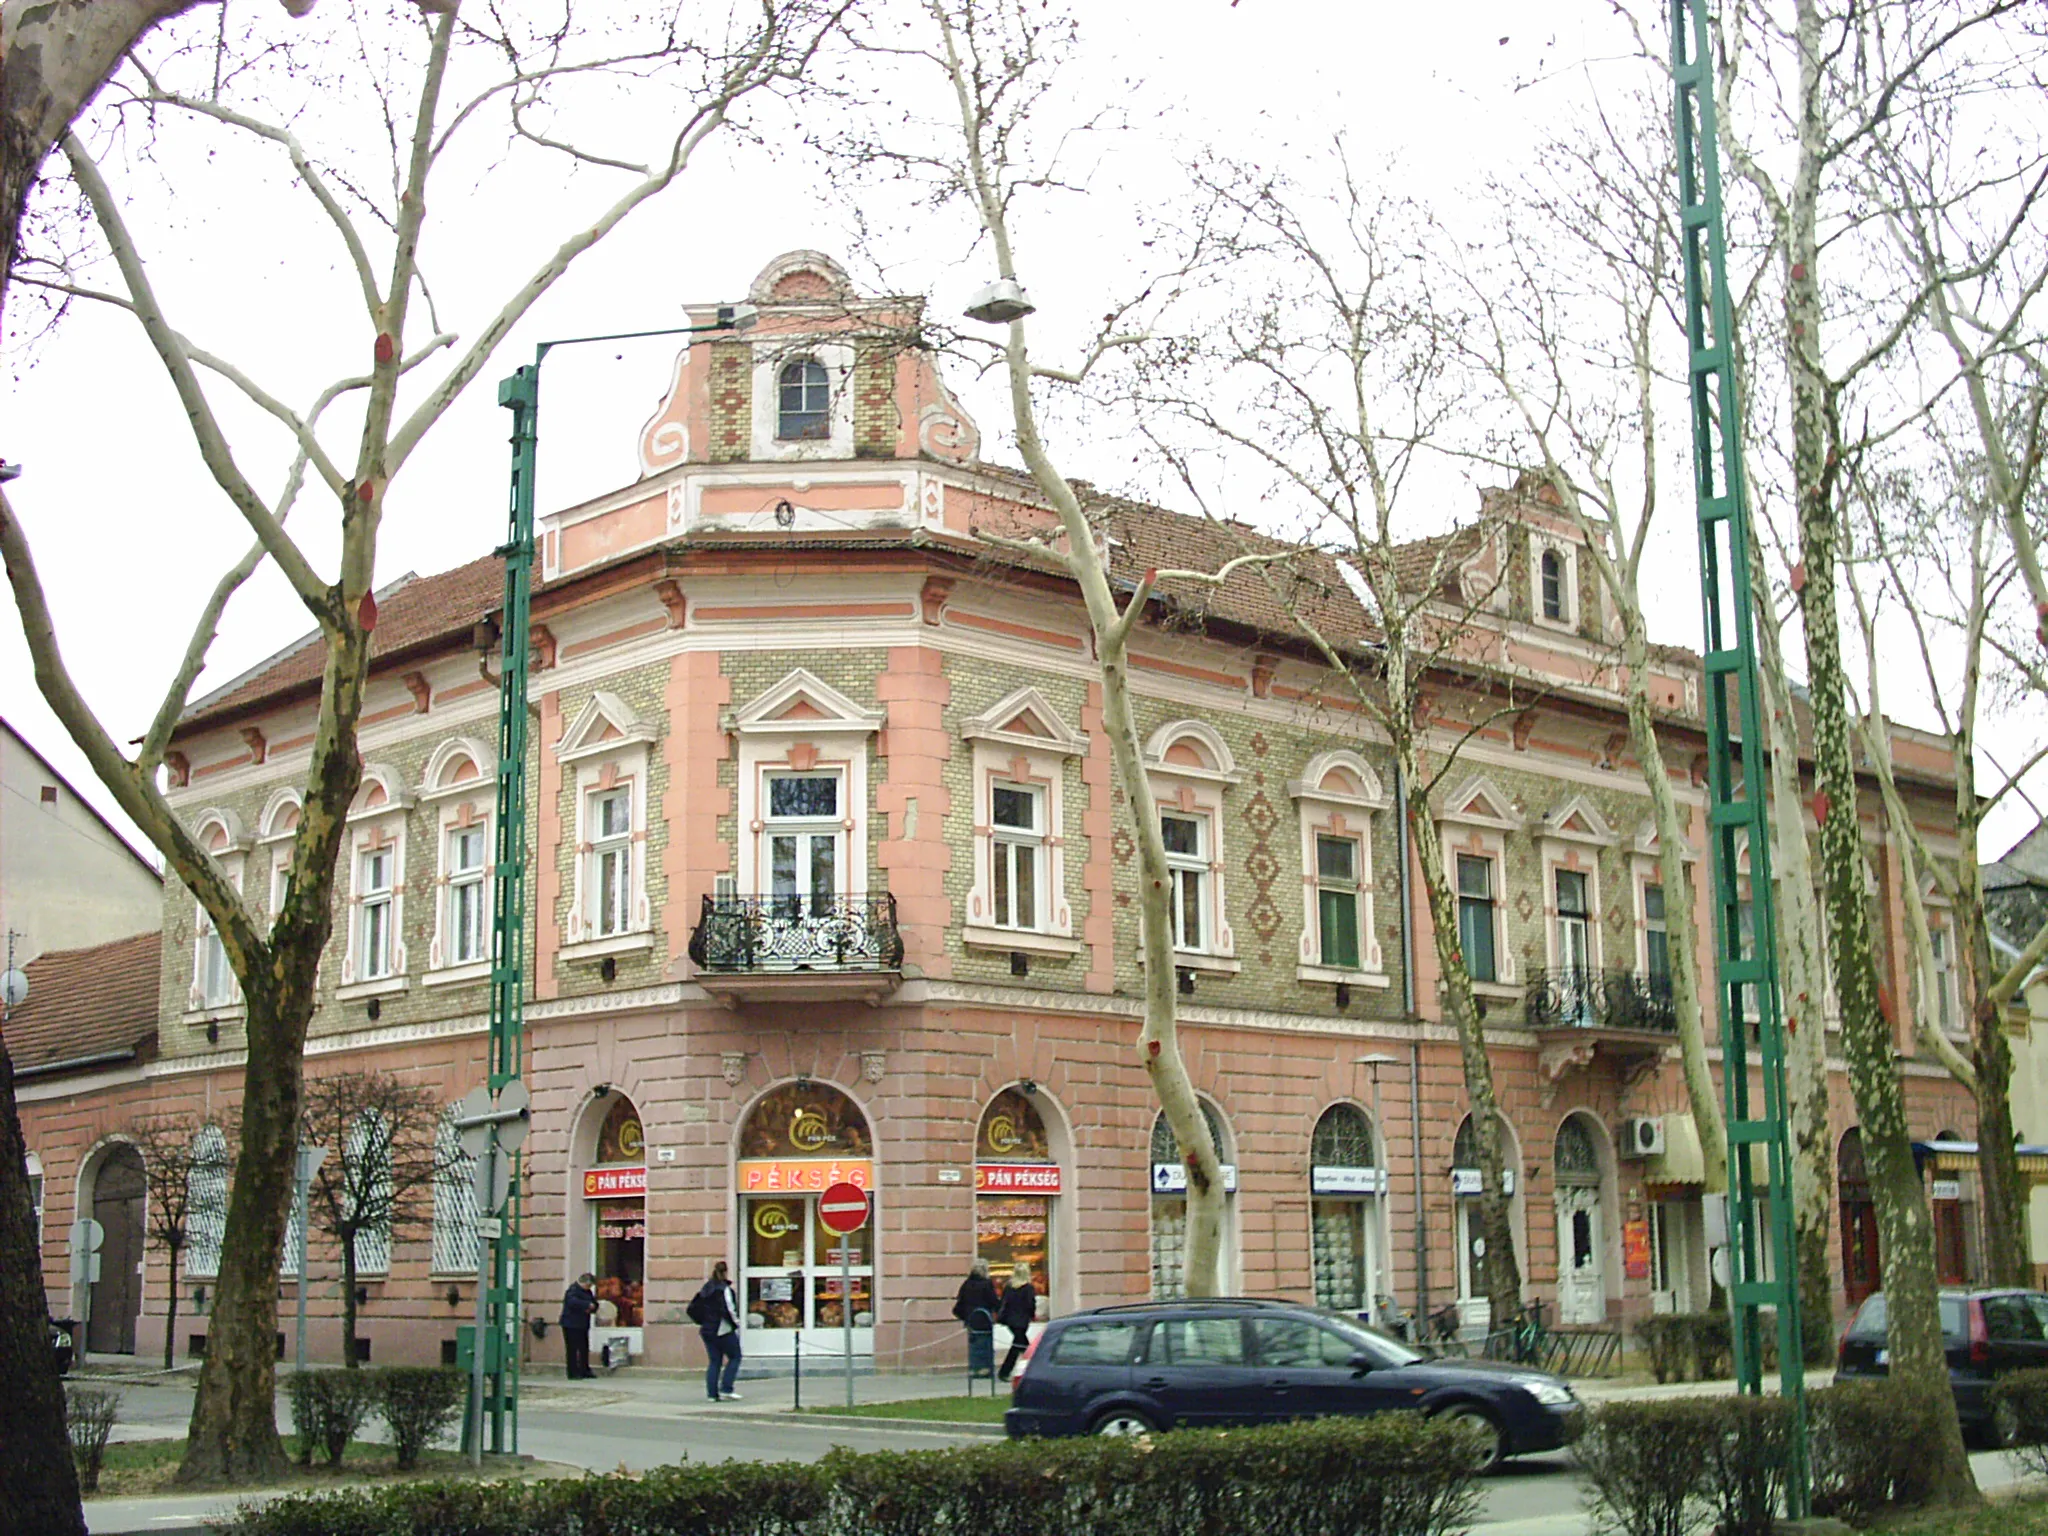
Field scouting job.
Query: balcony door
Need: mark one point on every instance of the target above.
(804, 842)
(1574, 947)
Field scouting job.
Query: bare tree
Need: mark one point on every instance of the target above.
(53, 59)
(184, 1174)
(376, 1184)
(1802, 95)
(524, 77)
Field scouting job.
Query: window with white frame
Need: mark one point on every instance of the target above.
(376, 890)
(1338, 795)
(1942, 1009)
(1478, 917)
(1550, 579)
(1656, 935)
(468, 906)
(213, 979)
(1337, 865)
(1017, 827)
(1555, 599)
(609, 884)
(1187, 868)
(206, 1196)
(454, 1235)
(804, 836)
(804, 401)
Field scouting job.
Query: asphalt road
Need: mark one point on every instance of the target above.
(642, 1424)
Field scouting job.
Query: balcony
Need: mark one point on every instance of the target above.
(1626, 1017)
(758, 949)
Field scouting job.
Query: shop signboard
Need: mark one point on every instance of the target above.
(1325, 1180)
(1466, 1181)
(1172, 1178)
(1948, 1189)
(614, 1183)
(1635, 1248)
(1016, 1178)
(802, 1175)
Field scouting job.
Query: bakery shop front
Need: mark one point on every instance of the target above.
(1016, 1187)
(797, 1141)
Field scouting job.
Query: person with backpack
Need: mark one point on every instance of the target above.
(1017, 1313)
(715, 1309)
(578, 1303)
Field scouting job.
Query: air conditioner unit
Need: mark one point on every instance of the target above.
(1642, 1136)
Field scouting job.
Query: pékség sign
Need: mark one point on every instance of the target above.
(1016, 1178)
(604, 1183)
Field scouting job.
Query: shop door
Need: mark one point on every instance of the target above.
(1859, 1251)
(1343, 1253)
(117, 1294)
(790, 1279)
(1581, 1270)
(1951, 1247)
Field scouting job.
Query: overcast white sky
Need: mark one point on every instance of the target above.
(130, 531)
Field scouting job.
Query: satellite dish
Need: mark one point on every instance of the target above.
(13, 988)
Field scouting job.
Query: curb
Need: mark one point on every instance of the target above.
(789, 1417)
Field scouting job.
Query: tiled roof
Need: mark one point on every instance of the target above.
(87, 1002)
(421, 610)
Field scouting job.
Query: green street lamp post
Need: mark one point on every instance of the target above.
(520, 394)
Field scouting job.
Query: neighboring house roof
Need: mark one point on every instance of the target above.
(93, 1006)
(113, 831)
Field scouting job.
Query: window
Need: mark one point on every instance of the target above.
(1337, 900)
(1097, 1344)
(1656, 937)
(1942, 985)
(1288, 1343)
(804, 406)
(374, 891)
(466, 895)
(1015, 815)
(611, 862)
(1551, 584)
(1198, 1341)
(206, 1202)
(1188, 868)
(213, 979)
(454, 1236)
(803, 860)
(1476, 917)
(369, 1195)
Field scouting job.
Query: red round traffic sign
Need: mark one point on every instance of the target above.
(843, 1208)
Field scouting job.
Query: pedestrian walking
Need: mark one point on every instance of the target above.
(578, 1303)
(1018, 1311)
(977, 1294)
(715, 1309)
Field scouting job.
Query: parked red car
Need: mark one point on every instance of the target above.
(1988, 1334)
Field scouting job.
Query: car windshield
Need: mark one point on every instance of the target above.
(1384, 1348)
(1870, 1322)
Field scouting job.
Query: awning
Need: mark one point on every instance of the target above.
(1683, 1162)
(1961, 1157)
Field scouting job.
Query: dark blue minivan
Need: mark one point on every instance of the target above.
(1127, 1370)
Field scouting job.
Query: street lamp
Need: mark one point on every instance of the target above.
(1373, 1063)
(520, 394)
(1000, 302)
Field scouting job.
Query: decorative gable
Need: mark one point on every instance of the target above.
(1576, 821)
(1024, 719)
(804, 702)
(1478, 802)
(605, 724)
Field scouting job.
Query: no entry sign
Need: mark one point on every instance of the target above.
(843, 1208)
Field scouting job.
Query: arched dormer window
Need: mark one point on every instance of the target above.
(804, 402)
(1551, 581)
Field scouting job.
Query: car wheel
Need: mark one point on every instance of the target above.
(1121, 1422)
(1490, 1446)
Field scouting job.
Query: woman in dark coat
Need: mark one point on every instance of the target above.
(1017, 1312)
(977, 1294)
(578, 1303)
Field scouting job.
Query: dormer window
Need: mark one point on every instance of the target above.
(1552, 581)
(804, 407)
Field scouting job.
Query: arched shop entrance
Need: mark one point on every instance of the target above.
(797, 1141)
(1345, 1183)
(1466, 1184)
(1170, 1206)
(1016, 1189)
(117, 1194)
(614, 1212)
(1859, 1220)
(1581, 1238)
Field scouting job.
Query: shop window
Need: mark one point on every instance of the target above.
(1478, 917)
(804, 401)
(797, 1141)
(1169, 1202)
(1345, 1180)
(206, 1202)
(1015, 1184)
(615, 1209)
(1467, 1180)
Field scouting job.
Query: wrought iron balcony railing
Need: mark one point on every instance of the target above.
(739, 935)
(1566, 998)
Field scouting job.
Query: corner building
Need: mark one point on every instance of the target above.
(831, 879)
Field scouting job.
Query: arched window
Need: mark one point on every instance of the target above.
(1552, 574)
(804, 401)
(454, 1203)
(1578, 1160)
(206, 1211)
(1342, 1139)
(1166, 1146)
(1170, 1205)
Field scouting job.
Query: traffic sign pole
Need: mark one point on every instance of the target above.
(843, 1210)
(491, 1128)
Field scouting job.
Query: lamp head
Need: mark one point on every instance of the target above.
(738, 317)
(1000, 302)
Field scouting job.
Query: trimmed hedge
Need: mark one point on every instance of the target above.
(420, 1403)
(2019, 1405)
(328, 1407)
(1391, 1475)
(1680, 1466)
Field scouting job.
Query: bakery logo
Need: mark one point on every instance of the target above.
(772, 1221)
(1002, 1134)
(808, 1131)
(630, 1142)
